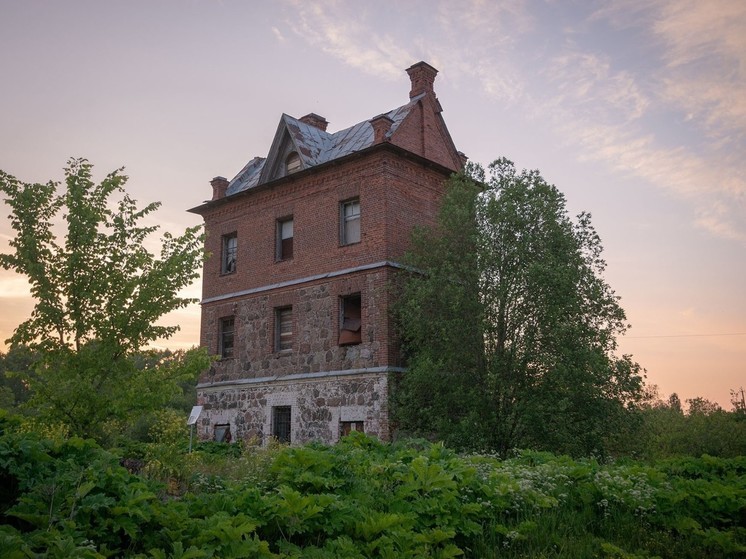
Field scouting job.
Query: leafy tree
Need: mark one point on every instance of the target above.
(14, 365)
(510, 328)
(706, 428)
(674, 402)
(702, 406)
(99, 297)
(738, 401)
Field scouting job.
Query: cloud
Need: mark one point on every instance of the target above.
(585, 81)
(346, 36)
(473, 40)
(705, 55)
(702, 46)
(696, 56)
(710, 183)
(278, 35)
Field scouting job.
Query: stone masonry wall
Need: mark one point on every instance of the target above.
(316, 326)
(318, 406)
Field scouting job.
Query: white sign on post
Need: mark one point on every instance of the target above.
(196, 410)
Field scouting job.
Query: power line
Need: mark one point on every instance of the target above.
(688, 335)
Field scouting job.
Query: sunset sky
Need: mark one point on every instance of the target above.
(635, 109)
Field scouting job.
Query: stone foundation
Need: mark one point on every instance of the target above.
(320, 404)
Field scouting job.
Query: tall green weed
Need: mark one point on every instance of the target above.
(361, 498)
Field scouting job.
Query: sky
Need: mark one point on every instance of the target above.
(634, 109)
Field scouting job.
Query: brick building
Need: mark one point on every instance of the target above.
(303, 246)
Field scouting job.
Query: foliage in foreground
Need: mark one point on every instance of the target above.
(99, 297)
(362, 498)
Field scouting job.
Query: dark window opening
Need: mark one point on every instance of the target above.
(227, 326)
(284, 329)
(223, 433)
(350, 222)
(350, 323)
(347, 427)
(281, 416)
(284, 239)
(229, 250)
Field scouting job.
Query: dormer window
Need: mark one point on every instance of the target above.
(292, 163)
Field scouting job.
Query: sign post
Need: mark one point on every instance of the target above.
(196, 410)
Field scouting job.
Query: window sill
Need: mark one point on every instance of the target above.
(227, 273)
(349, 244)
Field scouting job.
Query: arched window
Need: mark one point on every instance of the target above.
(292, 163)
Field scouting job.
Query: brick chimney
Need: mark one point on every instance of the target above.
(219, 186)
(312, 119)
(422, 76)
(381, 124)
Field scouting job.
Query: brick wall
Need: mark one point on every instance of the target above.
(392, 190)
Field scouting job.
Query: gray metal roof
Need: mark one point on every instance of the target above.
(315, 146)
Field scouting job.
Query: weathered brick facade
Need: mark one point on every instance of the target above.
(304, 246)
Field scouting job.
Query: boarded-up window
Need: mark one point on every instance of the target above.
(346, 427)
(285, 239)
(349, 222)
(284, 329)
(292, 163)
(281, 422)
(227, 326)
(350, 320)
(229, 250)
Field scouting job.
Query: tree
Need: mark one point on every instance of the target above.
(509, 326)
(738, 401)
(14, 366)
(99, 297)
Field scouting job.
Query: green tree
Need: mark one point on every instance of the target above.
(99, 297)
(14, 366)
(509, 326)
(706, 428)
(738, 401)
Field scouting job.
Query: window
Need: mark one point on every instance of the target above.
(284, 329)
(292, 163)
(226, 338)
(284, 239)
(346, 427)
(350, 320)
(223, 433)
(350, 222)
(281, 416)
(228, 260)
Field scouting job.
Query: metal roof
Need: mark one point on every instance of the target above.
(315, 146)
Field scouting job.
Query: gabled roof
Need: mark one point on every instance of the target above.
(313, 145)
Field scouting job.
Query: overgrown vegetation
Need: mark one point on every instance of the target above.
(99, 295)
(509, 325)
(667, 431)
(361, 498)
